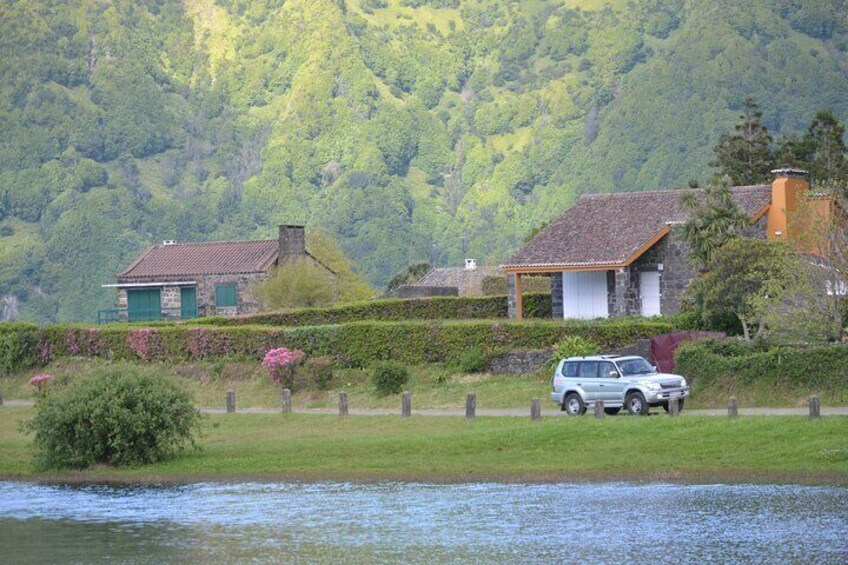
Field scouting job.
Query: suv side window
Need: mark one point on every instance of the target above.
(605, 369)
(569, 370)
(589, 369)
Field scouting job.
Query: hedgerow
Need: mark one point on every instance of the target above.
(707, 362)
(353, 344)
(393, 309)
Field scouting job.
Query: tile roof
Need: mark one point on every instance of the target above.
(608, 229)
(469, 282)
(210, 258)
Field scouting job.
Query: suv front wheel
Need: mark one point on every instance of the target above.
(636, 404)
(573, 405)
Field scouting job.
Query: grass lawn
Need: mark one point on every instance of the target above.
(433, 386)
(367, 448)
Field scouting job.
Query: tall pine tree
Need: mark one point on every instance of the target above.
(745, 157)
(827, 141)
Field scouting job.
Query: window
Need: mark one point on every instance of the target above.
(569, 370)
(605, 369)
(589, 369)
(225, 295)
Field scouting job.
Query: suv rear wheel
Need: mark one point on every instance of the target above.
(636, 404)
(573, 405)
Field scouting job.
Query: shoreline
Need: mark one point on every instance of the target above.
(673, 477)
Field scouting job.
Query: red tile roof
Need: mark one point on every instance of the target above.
(608, 229)
(211, 258)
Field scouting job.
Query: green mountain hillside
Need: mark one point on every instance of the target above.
(409, 130)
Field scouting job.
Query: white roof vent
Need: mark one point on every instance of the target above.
(169, 242)
(470, 264)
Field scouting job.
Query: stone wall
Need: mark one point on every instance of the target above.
(520, 362)
(246, 300)
(557, 311)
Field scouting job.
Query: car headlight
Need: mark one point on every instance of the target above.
(682, 382)
(654, 386)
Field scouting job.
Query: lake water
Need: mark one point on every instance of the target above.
(423, 523)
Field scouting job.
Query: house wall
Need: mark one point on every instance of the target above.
(246, 300)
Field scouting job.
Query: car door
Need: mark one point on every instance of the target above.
(611, 388)
(587, 379)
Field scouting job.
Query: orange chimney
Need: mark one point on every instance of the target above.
(788, 187)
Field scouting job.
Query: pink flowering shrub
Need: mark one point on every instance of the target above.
(281, 364)
(145, 343)
(40, 382)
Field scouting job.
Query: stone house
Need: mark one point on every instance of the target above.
(614, 255)
(187, 280)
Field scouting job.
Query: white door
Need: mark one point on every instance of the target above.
(584, 295)
(649, 283)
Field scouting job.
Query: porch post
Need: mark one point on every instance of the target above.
(519, 306)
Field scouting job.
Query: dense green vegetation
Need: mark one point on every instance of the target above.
(117, 416)
(424, 130)
(352, 344)
(314, 447)
(718, 369)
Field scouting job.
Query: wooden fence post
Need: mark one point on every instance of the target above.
(599, 409)
(471, 405)
(342, 404)
(535, 410)
(673, 407)
(287, 401)
(732, 408)
(406, 404)
(231, 400)
(815, 407)
(1, 396)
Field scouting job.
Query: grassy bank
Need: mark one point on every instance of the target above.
(369, 448)
(433, 386)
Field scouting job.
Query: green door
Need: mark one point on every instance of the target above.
(188, 302)
(144, 305)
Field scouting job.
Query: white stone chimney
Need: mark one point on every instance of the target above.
(470, 264)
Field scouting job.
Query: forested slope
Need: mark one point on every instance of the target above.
(408, 129)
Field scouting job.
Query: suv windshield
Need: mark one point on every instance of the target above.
(635, 367)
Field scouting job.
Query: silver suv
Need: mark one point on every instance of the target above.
(631, 382)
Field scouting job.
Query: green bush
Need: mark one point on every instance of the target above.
(393, 309)
(576, 346)
(18, 347)
(472, 360)
(389, 377)
(709, 362)
(120, 416)
(319, 371)
(356, 344)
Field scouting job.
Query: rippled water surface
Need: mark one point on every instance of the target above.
(418, 523)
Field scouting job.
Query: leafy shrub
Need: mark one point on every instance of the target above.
(389, 377)
(120, 416)
(297, 284)
(472, 360)
(708, 362)
(576, 346)
(393, 309)
(319, 371)
(18, 346)
(355, 344)
(282, 364)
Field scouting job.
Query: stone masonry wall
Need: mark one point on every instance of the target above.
(557, 311)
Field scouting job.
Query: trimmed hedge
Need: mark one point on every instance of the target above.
(706, 362)
(392, 309)
(353, 344)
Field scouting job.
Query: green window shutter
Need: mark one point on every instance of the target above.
(225, 295)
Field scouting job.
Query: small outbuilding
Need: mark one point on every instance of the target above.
(180, 281)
